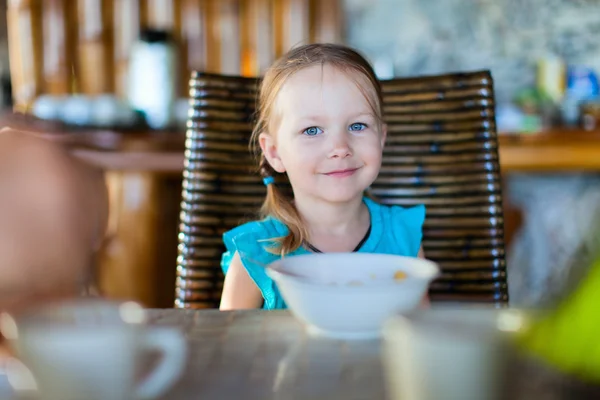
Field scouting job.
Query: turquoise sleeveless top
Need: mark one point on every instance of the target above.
(394, 230)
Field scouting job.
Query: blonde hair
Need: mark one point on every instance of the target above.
(278, 204)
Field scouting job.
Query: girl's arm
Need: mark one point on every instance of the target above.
(239, 290)
(421, 254)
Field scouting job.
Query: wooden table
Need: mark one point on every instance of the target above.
(266, 355)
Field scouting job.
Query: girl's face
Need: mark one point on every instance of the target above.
(324, 135)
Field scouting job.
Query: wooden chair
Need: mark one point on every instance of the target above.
(441, 151)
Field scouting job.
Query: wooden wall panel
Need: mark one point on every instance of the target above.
(83, 46)
(57, 47)
(229, 36)
(25, 50)
(260, 52)
(295, 18)
(128, 18)
(95, 47)
(326, 21)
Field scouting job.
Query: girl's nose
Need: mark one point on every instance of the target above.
(340, 145)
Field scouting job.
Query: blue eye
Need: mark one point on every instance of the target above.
(358, 126)
(312, 131)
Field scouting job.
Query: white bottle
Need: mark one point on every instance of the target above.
(152, 78)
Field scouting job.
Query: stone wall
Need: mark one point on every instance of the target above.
(506, 36)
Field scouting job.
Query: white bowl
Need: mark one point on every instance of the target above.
(331, 303)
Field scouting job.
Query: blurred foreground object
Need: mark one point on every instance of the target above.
(53, 342)
(449, 353)
(567, 337)
(53, 210)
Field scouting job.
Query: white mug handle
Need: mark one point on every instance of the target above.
(172, 346)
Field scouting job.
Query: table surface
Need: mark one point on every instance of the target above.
(267, 355)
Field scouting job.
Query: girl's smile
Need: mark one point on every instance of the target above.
(342, 173)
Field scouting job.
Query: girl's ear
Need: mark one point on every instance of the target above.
(383, 134)
(269, 149)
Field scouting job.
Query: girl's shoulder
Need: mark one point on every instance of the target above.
(262, 230)
(401, 228)
(251, 241)
(407, 214)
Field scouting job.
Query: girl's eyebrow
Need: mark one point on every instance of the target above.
(310, 118)
(318, 118)
(364, 114)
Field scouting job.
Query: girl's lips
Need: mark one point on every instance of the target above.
(342, 173)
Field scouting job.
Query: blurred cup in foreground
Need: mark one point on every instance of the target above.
(448, 353)
(94, 349)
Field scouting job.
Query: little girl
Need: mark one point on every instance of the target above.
(320, 121)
